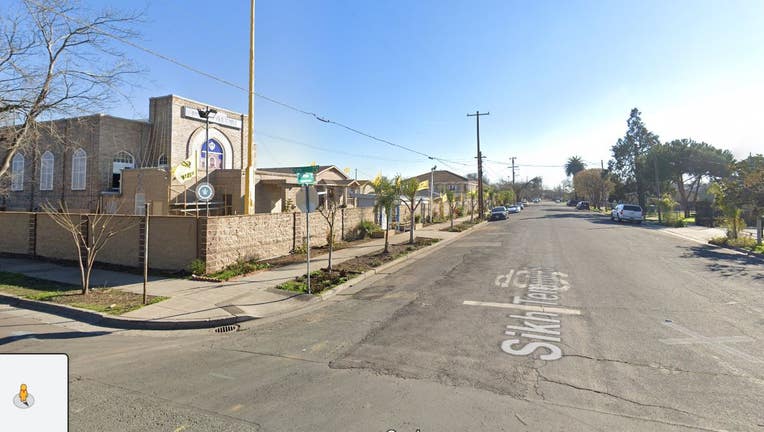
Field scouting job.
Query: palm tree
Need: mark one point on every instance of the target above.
(574, 165)
(387, 193)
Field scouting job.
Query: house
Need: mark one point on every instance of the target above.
(276, 188)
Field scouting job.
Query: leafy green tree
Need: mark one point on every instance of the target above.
(472, 195)
(386, 195)
(574, 165)
(628, 154)
(408, 189)
(742, 188)
(685, 163)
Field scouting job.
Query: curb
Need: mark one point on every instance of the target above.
(402, 261)
(101, 320)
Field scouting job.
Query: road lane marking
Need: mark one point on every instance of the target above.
(715, 343)
(557, 310)
(217, 375)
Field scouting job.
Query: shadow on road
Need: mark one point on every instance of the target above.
(726, 263)
(60, 335)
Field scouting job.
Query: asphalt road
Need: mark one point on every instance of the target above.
(552, 320)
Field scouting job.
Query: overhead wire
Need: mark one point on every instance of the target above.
(264, 97)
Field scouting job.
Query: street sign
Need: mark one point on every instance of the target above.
(306, 175)
(306, 178)
(205, 192)
(304, 198)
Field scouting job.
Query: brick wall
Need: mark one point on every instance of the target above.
(175, 241)
(229, 238)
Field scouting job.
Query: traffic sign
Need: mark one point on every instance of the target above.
(205, 192)
(307, 201)
(306, 178)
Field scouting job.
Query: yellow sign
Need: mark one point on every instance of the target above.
(186, 170)
(424, 185)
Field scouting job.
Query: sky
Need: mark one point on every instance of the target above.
(559, 78)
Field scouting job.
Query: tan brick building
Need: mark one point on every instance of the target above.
(118, 164)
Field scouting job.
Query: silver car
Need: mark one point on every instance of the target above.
(627, 212)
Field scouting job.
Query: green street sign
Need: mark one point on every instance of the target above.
(306, 178)
(307, 169)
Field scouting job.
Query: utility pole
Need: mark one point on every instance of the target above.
(479, 163)
(658, 189)
(513, 170)
(432, 181)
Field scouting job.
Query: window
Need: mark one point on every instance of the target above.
(79, 169)
(122, 160)
(162, 161)
(17, 172)
(46, 171)
(215, 155)
(140, 203)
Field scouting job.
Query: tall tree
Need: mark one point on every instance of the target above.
(593, 184)
(574, 165)
(57, 58)
(628, 154)
(386, 194)
(686, 163)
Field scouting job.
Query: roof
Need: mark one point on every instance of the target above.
(426, 176)
(290, 170)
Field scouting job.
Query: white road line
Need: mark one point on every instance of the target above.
(715, 343)
(557, 310)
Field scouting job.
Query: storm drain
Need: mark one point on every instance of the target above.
(227, 328)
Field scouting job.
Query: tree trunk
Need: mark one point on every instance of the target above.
(452, 218)
(413, 223)
(683, 196)
(387, 231)
(331, 248)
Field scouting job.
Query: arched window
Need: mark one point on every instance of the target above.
(215, 151)
(46, 171)
(162, 161)
(79, 169)
(17, 172)
(122, 160)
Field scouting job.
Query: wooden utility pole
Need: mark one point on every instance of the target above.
(513, 170)
(481, 210)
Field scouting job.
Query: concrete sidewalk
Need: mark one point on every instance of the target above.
(248, 297)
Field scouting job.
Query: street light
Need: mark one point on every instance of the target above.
(205, 114)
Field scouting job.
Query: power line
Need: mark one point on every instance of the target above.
(236, 86)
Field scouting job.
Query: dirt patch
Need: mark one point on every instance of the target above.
(107, 300)
(322, 280)
(301, 257)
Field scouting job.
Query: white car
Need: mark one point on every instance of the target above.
(627, 212)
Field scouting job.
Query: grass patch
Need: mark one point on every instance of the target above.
(106, 300)
(748, 243)
(240, 268)
(321, 280)
(461, 226)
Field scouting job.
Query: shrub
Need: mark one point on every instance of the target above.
(197, 267)
(744, 242)
(417, 218)
(367, 228)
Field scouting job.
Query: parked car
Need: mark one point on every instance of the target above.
(583, 205)
(627, 212)
(514, 209)
(572, 203)
(520, 205)
(498, 213)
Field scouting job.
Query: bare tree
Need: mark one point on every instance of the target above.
(90, 234)
(57, 58)
(329, 211)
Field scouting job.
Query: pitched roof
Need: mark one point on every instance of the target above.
(441, 174)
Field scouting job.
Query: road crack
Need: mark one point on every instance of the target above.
(655, 366)
(615, 396)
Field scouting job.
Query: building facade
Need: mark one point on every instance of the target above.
(86, 162)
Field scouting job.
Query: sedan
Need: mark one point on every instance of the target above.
(498, 213)
(513, 209)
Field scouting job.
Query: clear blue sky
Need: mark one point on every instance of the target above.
(558, 77)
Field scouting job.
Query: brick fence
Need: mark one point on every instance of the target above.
(175, 241)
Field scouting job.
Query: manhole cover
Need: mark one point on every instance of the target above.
(227, 329)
